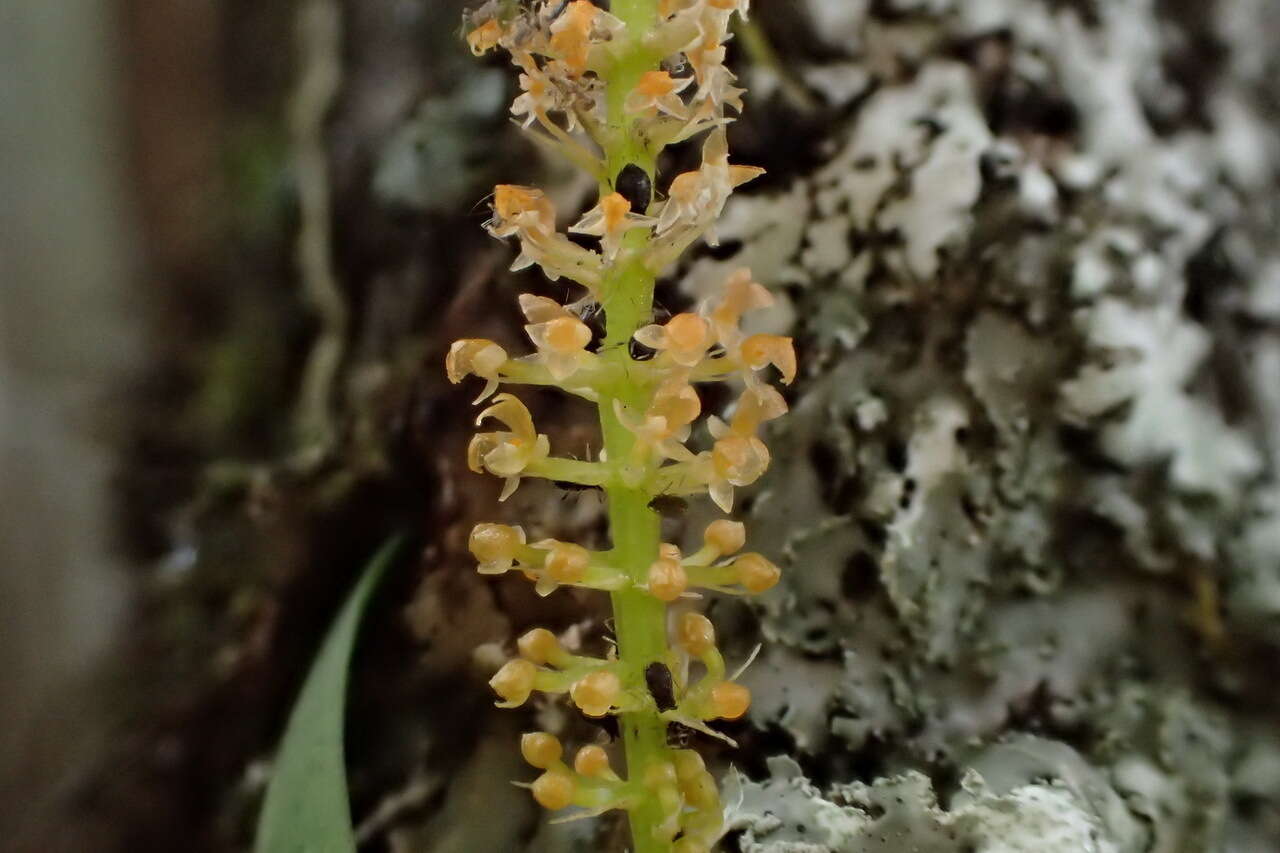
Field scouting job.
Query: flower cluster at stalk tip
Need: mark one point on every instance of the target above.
(610, 95)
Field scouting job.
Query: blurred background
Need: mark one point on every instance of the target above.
(1028, 253)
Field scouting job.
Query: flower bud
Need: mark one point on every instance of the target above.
(495, 546)
(756, 573)
(730, 700)
(539, 646)
(567, 562)
(726, 537)
(591, 760)
(667, 579)
(700, 791)
(660, 774)
(514, 682)
(596, 692)
(554, 790)
(697, 634)
(540, 749)
(688, 764)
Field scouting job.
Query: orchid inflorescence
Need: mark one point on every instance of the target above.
(610, 90)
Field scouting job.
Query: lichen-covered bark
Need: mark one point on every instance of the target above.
(1027, 495)
(1029, 500)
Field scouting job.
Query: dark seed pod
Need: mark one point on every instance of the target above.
(657, 677)
(669, 506)
(634, 185)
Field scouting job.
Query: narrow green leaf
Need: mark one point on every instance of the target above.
(306, 808)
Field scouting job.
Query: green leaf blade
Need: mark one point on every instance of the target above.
(306, 809)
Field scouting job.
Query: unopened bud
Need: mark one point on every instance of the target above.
(596, 692)
(495, 546)
(660, 774)
(539, 646)
(567, 562)
(514, 682)
(554, 790)
(756, 573)
(700, 791)
(591, 760)
(730, 700)
(688, 764)
(727, 537)
(697, 634)
(667, 579)
(540, 749)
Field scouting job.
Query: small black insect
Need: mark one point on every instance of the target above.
(669, 506)
(657, 677)
(679, 736)
(634, 185)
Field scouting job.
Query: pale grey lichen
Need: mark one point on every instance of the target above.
(1026, 495)
(787, 814)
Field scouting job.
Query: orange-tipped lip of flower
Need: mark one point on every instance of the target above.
(656, 84)
(510, 200)
(685, 185)
(485, 37)
(760, 350)
(566, 334)
(615, 207)
(688, 331)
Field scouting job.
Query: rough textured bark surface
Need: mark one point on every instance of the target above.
(1027, 496)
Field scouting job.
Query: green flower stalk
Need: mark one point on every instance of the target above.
(610, 90)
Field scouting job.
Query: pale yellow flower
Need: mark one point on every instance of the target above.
(659, 92)
(684, 339)
(610, 220)
(475, 356)
(507, 453)
(560, 336)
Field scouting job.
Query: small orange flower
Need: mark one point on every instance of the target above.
(684, 339)
(734, 460)
(508, 453)
(659, 92)
(571, 34)
(697, 198)
(610, 220)
(517, 209)
(741, 294)
(760, 351)
(475, 356)
(485, 37)
(560, 336)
